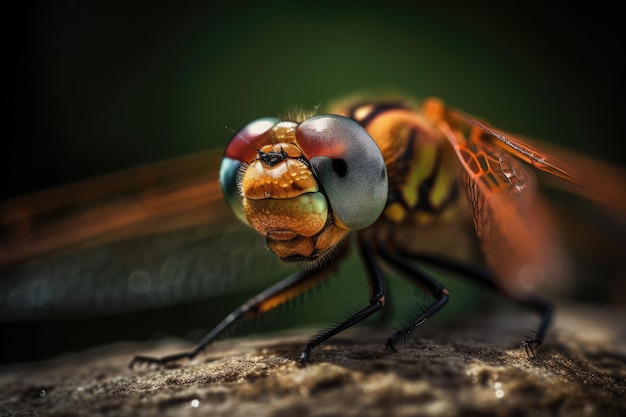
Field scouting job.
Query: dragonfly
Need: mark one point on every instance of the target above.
(391, 177)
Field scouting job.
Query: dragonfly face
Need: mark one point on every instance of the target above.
(304, 186)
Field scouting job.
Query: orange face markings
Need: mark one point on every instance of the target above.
(287, 179)
(304, 215)
(282, 201)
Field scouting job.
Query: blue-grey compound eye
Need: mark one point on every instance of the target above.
(240, 151)
(349, 166)
(228, 181)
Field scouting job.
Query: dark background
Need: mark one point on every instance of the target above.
(98, 86)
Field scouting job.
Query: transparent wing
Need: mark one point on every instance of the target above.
(147, 237)
(586, 176)
(512, 222)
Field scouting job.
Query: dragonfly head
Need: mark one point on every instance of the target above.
(304, 186)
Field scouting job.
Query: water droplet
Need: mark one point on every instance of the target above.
(499, 390)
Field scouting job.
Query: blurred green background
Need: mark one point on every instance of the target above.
(99, 86)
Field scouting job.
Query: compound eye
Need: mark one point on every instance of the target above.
(240, 151)
(349, 166)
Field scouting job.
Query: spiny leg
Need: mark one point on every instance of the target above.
(542, 306)
(546, 309)
(421, 279)
(274, 296)
(377, 301)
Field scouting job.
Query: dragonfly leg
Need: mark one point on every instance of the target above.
(267, 300)
(421, 279)
(542, 306)
(377, 301)
(545, 308)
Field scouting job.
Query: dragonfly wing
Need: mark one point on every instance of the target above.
(512, 222)
(586, 176)
(158, 197)
(147, 237)
(595, 180)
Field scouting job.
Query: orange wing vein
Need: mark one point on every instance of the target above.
(511, 220)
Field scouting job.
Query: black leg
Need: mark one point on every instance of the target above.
(377, 300)
(421, 279)
(534, 302)
(545, 308)
(261, 303)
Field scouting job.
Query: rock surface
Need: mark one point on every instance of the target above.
(472, 369)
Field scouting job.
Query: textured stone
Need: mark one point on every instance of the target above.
(475, 368)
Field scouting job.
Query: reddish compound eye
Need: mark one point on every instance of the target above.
(349, 166)
(240, 151)
(245, 143)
